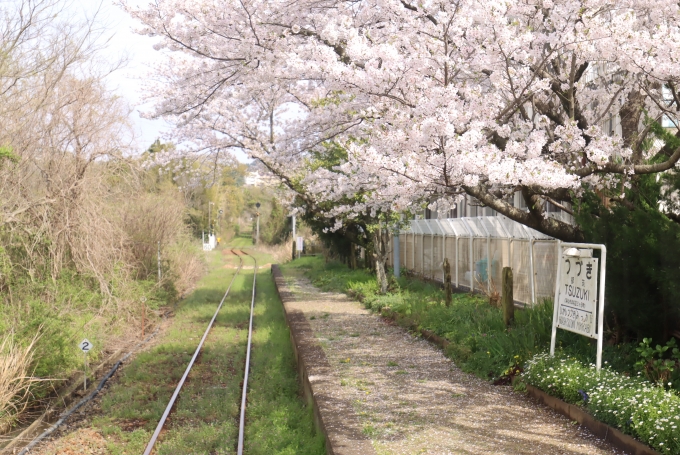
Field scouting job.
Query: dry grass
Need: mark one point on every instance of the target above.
(280, 253)
(15, 379)
(491, 292)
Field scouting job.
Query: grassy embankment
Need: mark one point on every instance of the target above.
(60, 313)
(480, 342)
(205, 419)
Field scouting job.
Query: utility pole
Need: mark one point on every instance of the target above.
(209, 219)
(293, 227)
(257, 233)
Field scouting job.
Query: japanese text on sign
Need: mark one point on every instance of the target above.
(577, 295)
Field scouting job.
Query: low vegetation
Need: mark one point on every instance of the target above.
(637, 407)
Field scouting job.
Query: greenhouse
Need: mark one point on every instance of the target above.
(477, 250)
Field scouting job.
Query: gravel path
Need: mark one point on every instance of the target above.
(411, 399)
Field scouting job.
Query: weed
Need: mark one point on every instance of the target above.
(369, 430)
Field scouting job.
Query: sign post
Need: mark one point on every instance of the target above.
(576, 293)
(85, 346)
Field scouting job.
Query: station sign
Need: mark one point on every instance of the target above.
(577, 301)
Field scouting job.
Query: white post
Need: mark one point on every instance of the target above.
(431, 254)
(531, 272)
(457, 246)
(472, 265)
(413, 249)
(600, 316)
(294, 227)
(553, 336)
(488, 256)
(85, 371)
(422, 253)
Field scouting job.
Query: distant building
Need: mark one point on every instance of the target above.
(467, 206)
(257, 179)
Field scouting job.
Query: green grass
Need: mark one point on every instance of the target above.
(205, 418)
(480, 342)
(63, 312)
(242, 240)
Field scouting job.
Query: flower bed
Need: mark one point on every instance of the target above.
(635, 406)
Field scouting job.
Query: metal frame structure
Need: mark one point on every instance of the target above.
(497, 240)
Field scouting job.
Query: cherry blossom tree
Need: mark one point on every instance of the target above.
(433, 99)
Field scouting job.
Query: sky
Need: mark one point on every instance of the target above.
(128, 81)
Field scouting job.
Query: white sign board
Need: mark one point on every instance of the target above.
(577, 301)
(299, 244)
(85, 346)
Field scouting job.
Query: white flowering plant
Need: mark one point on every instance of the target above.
(634, 405)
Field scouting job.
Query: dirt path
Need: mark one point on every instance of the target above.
(411, 399)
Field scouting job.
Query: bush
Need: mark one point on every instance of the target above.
(635, 406)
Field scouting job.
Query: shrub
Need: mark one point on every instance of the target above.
(635, 406)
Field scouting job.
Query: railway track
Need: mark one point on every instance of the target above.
(177, 391)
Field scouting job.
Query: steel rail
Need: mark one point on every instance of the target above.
(166, 413)
(241, 427)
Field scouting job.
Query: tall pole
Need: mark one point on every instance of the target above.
(257, 233)
(209, 219)
(293, 227)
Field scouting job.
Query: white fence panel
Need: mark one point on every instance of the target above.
(477, 250)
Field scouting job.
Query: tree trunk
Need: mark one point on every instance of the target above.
(380, 256)
(352, 256)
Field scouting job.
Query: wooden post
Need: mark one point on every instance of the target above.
(447, 281)
(352, 256)
(507, 300)
(143, 300)
(294, 248)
